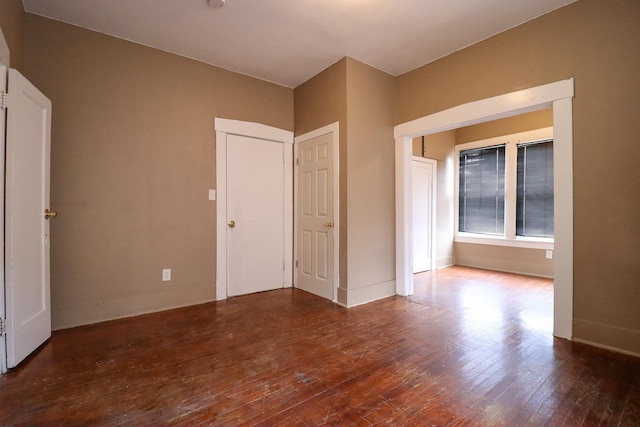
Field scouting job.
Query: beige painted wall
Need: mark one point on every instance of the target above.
(527, 261)
(595, 42)
(4, 51)
(12, 25)
(510, 125)
(370, 186)
(133, 155)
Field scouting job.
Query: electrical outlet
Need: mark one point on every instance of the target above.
(166, 274)
(549, 255)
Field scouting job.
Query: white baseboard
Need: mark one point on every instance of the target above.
(352, 297)
(523, 272)
(621, 340)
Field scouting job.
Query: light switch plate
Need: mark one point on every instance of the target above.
(212, 194)
(166, 274)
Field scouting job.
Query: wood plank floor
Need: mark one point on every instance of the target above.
(469, 348)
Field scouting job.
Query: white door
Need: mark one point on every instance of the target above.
(423, 172)
(255, 215)
(315, 216)
(28, 306)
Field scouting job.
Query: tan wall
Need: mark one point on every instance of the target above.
(12, 26)
(510, 125)
(499, 258)
(4, 51)
(320, 101)
(371, 184)
(133, 155)
(532, 262)
(595, 42)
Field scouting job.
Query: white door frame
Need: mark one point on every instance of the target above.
(334, 129)
(559, 96)
(224, 127)
(3, 88)
(434, 197)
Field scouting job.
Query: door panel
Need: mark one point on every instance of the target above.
(255, 202)
(28, 306)
(322, 250)
(315, 216)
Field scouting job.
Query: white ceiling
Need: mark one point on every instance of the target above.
(289, 41)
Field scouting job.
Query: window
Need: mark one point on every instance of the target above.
(505, 190)
(534, 209)
(481, 192)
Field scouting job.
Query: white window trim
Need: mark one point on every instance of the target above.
(511, 155)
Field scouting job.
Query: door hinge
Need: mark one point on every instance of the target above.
(2, 327)
(282, 265)
(296, 263)
(297, 161)
(3, 101)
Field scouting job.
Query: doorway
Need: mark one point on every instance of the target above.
(423, 172)
(255, 208)
(555, 95)
(240, 263)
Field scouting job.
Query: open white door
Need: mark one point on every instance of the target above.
(315, 216)
(28, 141)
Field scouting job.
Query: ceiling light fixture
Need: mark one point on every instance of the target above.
(216, 3)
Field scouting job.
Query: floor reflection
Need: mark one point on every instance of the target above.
(489, 303)
(498, 322)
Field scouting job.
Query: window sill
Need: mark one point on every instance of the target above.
(520, 242)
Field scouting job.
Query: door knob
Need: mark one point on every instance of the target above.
(329, 225)
(232, 224)
(50, 214)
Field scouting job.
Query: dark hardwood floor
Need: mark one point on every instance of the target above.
(464, 350)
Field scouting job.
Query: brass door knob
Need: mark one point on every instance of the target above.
(50, 214)
(232, 224)
(329, 225)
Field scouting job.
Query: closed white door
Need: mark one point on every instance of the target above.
(315, 216)
(28, 306)
(422, 173)
(255, 215)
